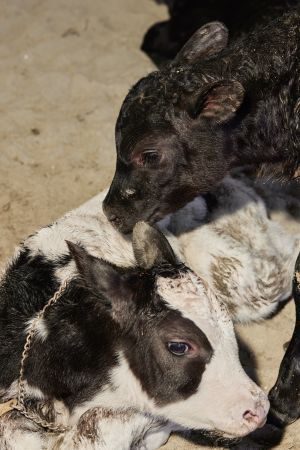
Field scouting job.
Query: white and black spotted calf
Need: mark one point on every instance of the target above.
(137, 333)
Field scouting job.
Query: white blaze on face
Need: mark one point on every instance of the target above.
(128, 192)
(225, 393)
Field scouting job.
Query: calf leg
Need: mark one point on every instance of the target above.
(18, 433)
(157, 436)
(285, 395)
(96, 429)
(99, 429)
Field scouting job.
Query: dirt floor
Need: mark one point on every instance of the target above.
(65, 67)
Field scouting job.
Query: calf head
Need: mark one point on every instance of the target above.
(170, 134)
(176, 351)
(285, 395)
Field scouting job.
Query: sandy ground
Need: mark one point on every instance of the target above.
(65, 67)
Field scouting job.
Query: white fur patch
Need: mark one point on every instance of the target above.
(31, 392)
(88, 226)
(118, 394)
(41, 330)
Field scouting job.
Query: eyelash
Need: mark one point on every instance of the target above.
(148, 158)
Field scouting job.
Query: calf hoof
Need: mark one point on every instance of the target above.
(266, 437)
(280, 419)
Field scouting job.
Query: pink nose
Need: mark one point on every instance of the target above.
(255, 418)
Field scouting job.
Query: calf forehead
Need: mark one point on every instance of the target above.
(191, 297)
(147, 105)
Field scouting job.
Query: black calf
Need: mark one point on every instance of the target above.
(180, 130)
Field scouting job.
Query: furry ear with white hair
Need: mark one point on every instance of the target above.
(150, 247)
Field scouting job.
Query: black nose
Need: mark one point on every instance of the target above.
(114, 219)
(112, 216)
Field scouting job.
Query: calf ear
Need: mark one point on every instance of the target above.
(150, 247)
(218, 103)
(99, 276)
(208, 41)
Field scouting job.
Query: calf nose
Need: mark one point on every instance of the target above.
(112, 217)
(111, 214)
(256, 417)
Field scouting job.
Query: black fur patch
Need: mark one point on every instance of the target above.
(27, 285)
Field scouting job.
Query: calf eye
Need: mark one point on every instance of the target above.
(149, 157)
(179, 348)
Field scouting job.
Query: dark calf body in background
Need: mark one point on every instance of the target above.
(180, 130)
(163, 40)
